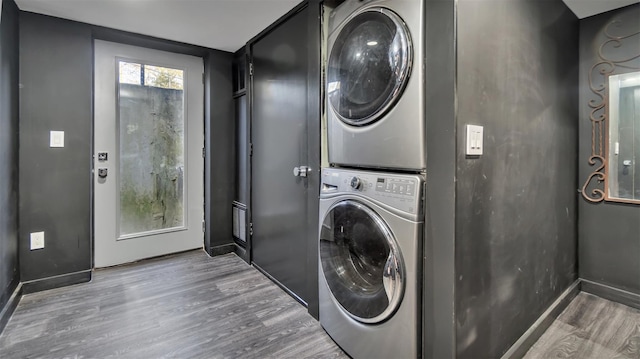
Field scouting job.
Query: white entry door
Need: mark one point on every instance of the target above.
(148, 140)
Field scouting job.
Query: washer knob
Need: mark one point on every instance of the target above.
(356, 183)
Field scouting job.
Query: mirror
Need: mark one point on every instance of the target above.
(623, 160)
(614, 113)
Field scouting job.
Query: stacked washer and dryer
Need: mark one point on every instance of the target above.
(372, 195)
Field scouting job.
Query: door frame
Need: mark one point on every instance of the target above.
(218, 240)
(314, 120)
(146, 244)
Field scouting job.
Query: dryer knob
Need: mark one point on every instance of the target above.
(356, 183)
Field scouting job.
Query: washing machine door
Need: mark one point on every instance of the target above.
(361, 262)
(369, 66)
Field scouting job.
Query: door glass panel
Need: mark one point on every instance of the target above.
(368, 66)
(354, 248)
(151, 148)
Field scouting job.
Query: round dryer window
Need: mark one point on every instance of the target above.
(361, 262)
(369, 65)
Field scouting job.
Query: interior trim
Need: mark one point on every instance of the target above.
(526, 341)
(223, 249)
(287, 290)
(62, 280)
(241, 252)
(611, 293)
(10, 307)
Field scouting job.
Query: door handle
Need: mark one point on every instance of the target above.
(392, 279)
(102, 172)
(301, 171)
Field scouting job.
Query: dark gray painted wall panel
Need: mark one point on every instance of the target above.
(609, 247)
(56, 59)
(56, 66)
(438, 295)
(242, 153)
(9, 270)
(220, 137)
(516, 232)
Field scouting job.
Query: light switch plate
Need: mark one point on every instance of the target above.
(474, 140)
(56, 139)
(37, 240)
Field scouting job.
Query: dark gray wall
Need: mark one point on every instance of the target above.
(220, 163)
(609, 246)
(56, 58)
(240, 75)
(516, 205)
(56, 67)
(242, 150)
(241, 127)
(9, 271)
(438, 294)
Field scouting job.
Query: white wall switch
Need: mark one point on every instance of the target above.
(56, 139)
(474, 140)
(37, 240)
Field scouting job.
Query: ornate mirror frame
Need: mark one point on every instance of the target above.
(595, 188)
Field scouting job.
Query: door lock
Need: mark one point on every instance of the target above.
(102, 172)
(301, 171)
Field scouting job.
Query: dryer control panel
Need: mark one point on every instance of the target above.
(398, 191)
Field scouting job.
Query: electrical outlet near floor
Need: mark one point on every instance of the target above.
(37, 240)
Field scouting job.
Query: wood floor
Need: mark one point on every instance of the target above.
(192, 306)
(184, 306)
(591, 328)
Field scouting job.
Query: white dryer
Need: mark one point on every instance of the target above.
(375, 85)
(370, 250)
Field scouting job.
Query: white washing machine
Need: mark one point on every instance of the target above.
(370, 250)
(375, 85)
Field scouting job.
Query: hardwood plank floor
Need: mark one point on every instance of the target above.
(192, 306)
(183, 306)
(591, 327)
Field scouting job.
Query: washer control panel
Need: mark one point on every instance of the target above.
(399, 191)
(400, 186)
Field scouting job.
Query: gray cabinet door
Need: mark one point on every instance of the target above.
(280, 144)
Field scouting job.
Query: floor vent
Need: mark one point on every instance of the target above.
(240, 221)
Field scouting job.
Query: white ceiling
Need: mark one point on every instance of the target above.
(218, 24)
(586, 8)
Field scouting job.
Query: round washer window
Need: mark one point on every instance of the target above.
(368, 66)
(361, 262)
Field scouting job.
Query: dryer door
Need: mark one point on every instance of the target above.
(361, 262)
(368, 66)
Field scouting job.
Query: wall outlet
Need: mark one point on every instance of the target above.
(56, 139)
(37, 240)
